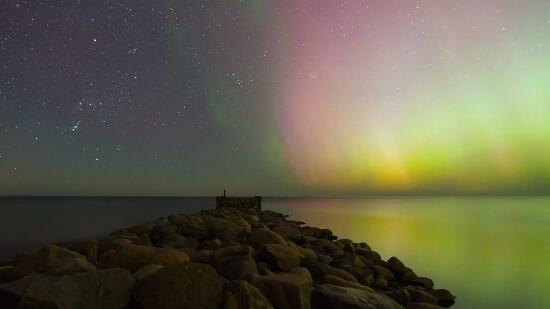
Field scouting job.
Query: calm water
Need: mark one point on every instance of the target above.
(491, 252)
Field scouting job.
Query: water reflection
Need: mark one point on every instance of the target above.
(490, 252)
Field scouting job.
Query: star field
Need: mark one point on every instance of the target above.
(273, 97)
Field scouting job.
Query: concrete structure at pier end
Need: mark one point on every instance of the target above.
(239, 202)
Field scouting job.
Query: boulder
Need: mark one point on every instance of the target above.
(52, 260)
(285, 290)
(401, 296)
(324, 246)
(144, 228)
(263, 236)
(133, 257)
(345, 244)
(370, 255)
(396, 266)
(318, 233)
(243, 295)
(419, 296)
(189, 285)
(279, 257)
(147, 270)
(329, 296)
(11, 300)
(408, 276)
(222, 229)
(444, 297)
(286, 230)
(190, 225)
(304, 253)
(424, 282)
(317, 269)
(413, 305)
(343, 274)
(381, 271)
(98, 289)
(233, 262)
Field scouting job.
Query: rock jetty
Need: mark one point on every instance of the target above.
(235, 256)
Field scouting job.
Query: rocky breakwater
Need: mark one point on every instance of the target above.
(231, 257)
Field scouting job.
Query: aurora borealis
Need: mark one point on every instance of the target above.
(274, 97)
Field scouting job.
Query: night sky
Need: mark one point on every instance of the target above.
(274, 97)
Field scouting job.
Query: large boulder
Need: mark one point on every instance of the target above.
(146, 271)
(233, 262)
(324, 246)
(104, 289)
(423, 282)
(189, 225)
(286, 230)
(345, 244)
(279, 257)
(133, 257)
(304, 253)
(444, 297)
(222, 229)
(143, 228)
(318, 233)
(396, 266)
(263, 236)
(420, 296)
(52, 260)
(329, 296)
(285, 290)
(189, 285)
(11, 300)
(242, 295)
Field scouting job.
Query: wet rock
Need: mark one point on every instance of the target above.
(98, 289)
(243, 295)
(444, 297)
(336, 297)
(424, 282)
(285, 290)
(279, 257)
(264, 236)
(147, 270)
(189, 285)
(52, 260)
(234, 261)
(134, 257)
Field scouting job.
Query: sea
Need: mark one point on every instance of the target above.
(491, 252)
